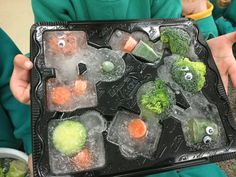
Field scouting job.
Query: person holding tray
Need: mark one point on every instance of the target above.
(15, 131)
(214, 17)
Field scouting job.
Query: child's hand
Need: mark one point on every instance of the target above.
(221, 48)
(190, 7)
(30, 165)
(19, 82)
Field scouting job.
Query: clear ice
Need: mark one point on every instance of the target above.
(95, 125)
(129, 147)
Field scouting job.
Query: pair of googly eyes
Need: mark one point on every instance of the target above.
(188, 76)
(207, 139)
(61, 43)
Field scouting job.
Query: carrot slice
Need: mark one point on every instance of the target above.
(130, 45)
(80, 87)
(137, 128)
(83, 159)
(60, 95)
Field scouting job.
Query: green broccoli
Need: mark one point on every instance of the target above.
(17, 169)
(178, 40)
(156, 101)
(190, 75)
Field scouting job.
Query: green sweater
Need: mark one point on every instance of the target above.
(74, 10)
(79, 10)
(225, 18)
(14, 116)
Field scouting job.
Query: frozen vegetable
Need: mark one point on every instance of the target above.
(80, 87)
(177, 39)
(107, 66)
(130, 45)
(145, 52)
(158, 99)
(202, 130)
(189, 74)
(69, 137)
(137, 128)
(17, 169)
(60, 95)
(83, 159)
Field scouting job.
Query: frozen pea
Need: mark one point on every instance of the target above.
(107, 66)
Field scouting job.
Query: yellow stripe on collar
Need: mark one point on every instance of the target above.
(203, 14)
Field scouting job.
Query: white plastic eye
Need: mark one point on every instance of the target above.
(61, 43)
(188, 76)
(209, 130)
(184, 68)
(207, 140)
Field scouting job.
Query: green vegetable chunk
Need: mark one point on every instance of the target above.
(190, 75)
(198, 129)
(1, 171)
(107, 66)
(178, 40)
(17, 169)
(145, 52)
(157, 100)
(69, 137)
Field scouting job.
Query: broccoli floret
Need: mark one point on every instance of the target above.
(190, 75)
(157, 100)
(17, 169)
(178, 40)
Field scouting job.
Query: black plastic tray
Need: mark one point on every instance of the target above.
(172, 151)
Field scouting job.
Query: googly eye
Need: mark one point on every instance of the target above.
(209, 130)
(184, 68)
(61, 43)
(188, 76)
(207, 140)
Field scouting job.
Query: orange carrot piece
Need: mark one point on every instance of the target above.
(60, 95)
(137, 128)
(80, 87)
(83, 159)
(129, 45)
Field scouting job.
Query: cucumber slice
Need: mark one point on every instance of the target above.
(69, 137)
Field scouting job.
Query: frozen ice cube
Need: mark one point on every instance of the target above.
(62, 164)
(68, 97)
(119, 134)
(118, 40)
(64, 43)
(155, 100)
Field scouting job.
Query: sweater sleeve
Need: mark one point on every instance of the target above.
(205, 22)
(53, 10)
(224, 26)
(18, 113)
(166, 9)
